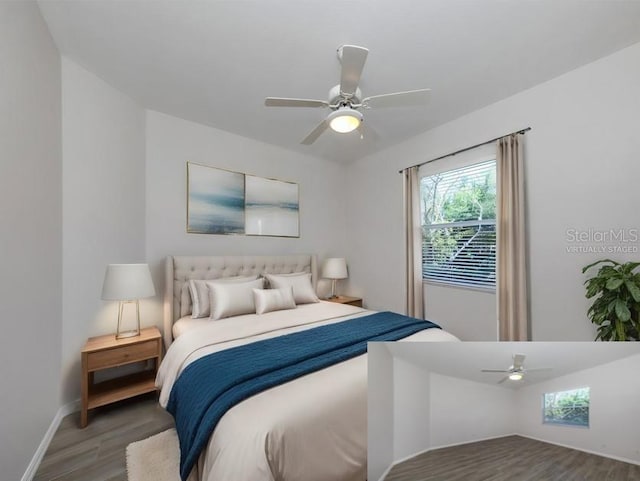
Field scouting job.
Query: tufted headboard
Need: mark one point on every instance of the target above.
(180, 269)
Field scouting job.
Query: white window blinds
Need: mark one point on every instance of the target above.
(459, 226)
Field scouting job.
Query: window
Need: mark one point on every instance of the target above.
(458, 210)
(567, 407)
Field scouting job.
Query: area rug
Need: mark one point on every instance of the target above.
(154, 459)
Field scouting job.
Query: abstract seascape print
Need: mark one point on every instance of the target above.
(271, 207)
(215, 202)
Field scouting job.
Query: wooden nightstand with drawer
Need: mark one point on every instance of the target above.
(106, 352)
(352, 301)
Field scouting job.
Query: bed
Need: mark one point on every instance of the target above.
(312, 428)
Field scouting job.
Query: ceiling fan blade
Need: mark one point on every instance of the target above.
(284, 102)
(503, 379)
(538, 369)
(494, 370)
(315, 133)
(353, 59)
(398, 99)
(518, 361)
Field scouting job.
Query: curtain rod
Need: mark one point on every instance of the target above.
(522, 131)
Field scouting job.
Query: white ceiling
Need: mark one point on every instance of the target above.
(214, 61)
(466, 359)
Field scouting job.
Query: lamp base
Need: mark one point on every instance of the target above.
(333, 289)
(126, 334)
(133, 332)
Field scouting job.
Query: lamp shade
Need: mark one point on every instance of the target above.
(124, 282)
(334, 268)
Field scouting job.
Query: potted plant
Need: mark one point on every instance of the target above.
(616, 308)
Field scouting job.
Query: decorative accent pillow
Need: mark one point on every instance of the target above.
(292, 274)
(268, 300)
(200, 293)
(232, 298)
(303, 292)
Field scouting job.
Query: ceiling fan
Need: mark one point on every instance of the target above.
(517, 371)
(345, 99)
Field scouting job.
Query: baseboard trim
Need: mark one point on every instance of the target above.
(471, 442)
(411, 456)
(386, 471)
(63, 411)
(610, 456)
(402, 460)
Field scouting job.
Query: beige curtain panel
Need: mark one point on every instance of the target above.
(511, 288)
(413, 242)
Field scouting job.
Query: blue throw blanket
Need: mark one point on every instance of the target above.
(212, 385)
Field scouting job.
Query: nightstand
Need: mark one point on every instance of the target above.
(352, 301)
(105, 352)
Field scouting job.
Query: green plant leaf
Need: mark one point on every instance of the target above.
(633, 289)
(615, 294)
(592, 290)
(605, 272)
(622, 311)
(586, 268)
(614, 283)
(630, 266)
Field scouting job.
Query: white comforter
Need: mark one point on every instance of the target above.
(311, 429)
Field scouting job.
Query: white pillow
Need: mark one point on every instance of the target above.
(303, 292)
(268, 300)
(200, 293)
(292, 274)
(232, 298)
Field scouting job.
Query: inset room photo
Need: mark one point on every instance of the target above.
(511, 411)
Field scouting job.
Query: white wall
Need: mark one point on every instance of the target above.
(380, 431)
(30, 233)
(466, 313)
(171, 142)
(411, 407)
(581, 168)
(614, 410)
(103, 206)
(463, 411)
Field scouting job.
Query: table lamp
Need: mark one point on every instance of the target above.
(127, 283)
(334, 268)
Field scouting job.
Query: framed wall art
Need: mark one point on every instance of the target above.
(215, 200)
(272, 207)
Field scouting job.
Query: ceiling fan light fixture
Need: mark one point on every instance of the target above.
(515, 376)
(344, 120)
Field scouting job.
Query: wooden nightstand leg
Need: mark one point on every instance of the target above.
(83, 417)
(86, 378)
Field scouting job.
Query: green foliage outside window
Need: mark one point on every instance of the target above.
(458, 225)
(448, 197)
(567, 407)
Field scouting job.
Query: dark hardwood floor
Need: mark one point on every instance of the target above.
(97, 452)
(512, 458)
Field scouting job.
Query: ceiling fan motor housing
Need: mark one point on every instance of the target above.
(336, 97)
